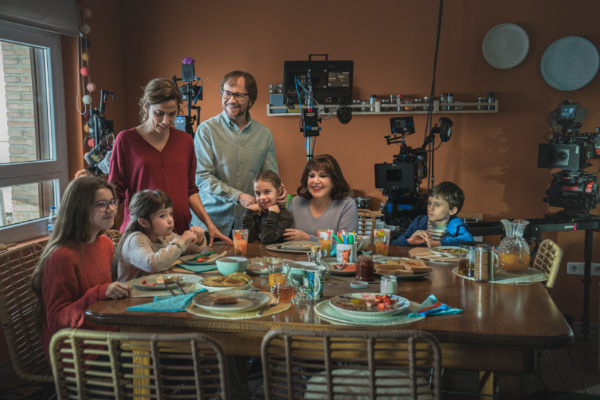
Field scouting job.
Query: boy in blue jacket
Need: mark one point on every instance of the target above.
(441, 226)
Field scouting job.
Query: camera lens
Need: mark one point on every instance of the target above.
(562, 155)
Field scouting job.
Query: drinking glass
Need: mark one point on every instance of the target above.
(277, 275)
(285, 291)
(240, 241)
(381, 238)
(325, 238)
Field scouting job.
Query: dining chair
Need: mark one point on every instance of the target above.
(17, 302)
(91, 364)
(114, 235)
(547, 260)
(356, 364)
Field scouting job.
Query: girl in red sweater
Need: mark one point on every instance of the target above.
(74, 268)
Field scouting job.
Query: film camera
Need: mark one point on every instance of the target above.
(100, 139)
(574, 190)
(401, 181)
(190, 92)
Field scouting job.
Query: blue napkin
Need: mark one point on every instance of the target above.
(197, 268)
(441, 309)
(167, 303)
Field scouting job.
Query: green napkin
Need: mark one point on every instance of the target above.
(167, 303)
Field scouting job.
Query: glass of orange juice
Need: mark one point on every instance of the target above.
(325, 239)
(240, 241)
(277, 275)
(381, 238)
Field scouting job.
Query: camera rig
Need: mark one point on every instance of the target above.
(190, 93)
(401, 181)
(100, 138)
(573, 189)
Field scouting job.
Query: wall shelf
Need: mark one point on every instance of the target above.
(417, 108)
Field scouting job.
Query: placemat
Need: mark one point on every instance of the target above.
(425, 254)
(279, 308)
(153, 293)
(325, 310)
(530, 275)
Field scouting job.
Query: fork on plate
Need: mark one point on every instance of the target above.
(161, 281)
(273, 302)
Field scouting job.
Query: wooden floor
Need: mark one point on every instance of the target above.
(564, 374)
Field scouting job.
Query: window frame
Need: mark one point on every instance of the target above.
(56, 167)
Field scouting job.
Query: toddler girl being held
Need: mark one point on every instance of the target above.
(148, 244)
(265, 220)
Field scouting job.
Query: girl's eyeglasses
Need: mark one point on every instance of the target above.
(102, 205)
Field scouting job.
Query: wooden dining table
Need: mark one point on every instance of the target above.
(499, 329)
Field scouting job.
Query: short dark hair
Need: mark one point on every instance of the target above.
(268, 176)
(450, 192)
(251, 87)
(325, 162)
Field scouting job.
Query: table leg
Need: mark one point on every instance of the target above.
(510, 386)
(587, 280)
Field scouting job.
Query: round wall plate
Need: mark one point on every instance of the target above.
(505, 46)
(570, 63)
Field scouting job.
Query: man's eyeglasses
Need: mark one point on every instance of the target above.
(102, 205)
(226, 94)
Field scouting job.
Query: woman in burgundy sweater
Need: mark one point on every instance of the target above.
(155, 155)
(74, 268)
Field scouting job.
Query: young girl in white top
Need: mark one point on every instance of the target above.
(148, 244)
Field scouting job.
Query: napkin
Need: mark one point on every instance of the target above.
(167, 303)
(197, 268)
(432, 306)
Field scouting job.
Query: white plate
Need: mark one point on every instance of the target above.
(448, 251)
(505, 46)
(247, 301)
(151, 280)
(217, 288)
(329, 261)
(258, 265)
(345, 304)
(299, 246)
(570, 63)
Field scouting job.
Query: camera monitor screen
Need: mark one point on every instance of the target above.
(331, 80)
(395, 176)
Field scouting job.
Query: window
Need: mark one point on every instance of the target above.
(33, 159)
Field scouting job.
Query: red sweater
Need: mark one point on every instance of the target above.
(136, 165)
(74, 278)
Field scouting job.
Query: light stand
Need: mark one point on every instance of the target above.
(191, 93)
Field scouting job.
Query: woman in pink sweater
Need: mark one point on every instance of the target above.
(74, 268)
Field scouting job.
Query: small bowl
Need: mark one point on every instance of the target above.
(229, 265)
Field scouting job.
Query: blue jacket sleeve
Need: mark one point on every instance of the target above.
(456, 233)
(417, 224)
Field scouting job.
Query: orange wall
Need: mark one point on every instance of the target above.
(493, 157)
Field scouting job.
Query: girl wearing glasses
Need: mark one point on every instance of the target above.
(155, 155)
(74, 268)
(148, 244)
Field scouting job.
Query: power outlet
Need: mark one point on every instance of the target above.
(576, 268)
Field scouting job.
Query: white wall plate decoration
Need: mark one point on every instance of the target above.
(570, 63)
(505, 46)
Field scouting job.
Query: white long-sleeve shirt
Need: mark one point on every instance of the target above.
(140, 256)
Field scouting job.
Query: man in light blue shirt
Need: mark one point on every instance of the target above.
(231, 149)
